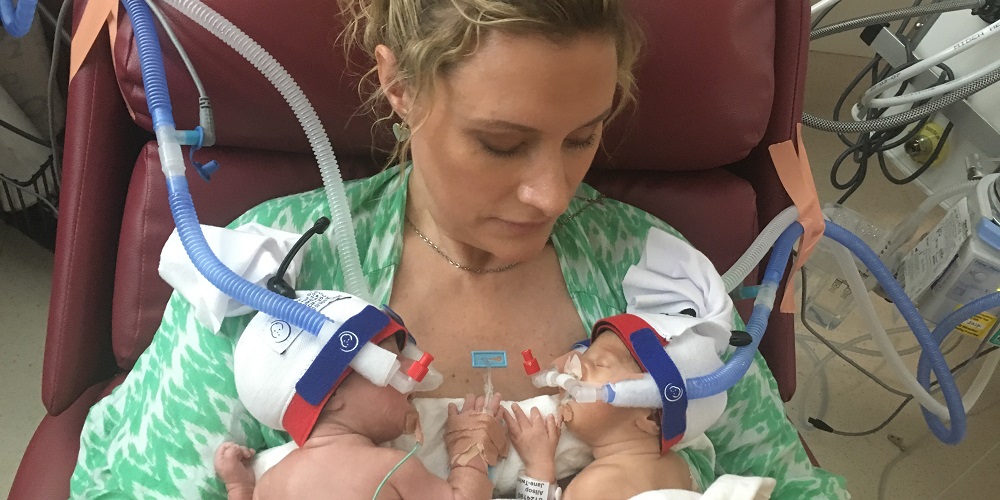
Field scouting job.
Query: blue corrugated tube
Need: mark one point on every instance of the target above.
(949, 323)
(17, 20)
(930, 351)
(181, 205)
(737, 366)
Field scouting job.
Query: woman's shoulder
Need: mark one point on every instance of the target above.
(609, 230)
(299, 211)
(623, 221)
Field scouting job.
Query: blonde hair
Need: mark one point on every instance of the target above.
(430, 37)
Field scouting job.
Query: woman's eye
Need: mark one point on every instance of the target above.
(582, 144)
(501, 152)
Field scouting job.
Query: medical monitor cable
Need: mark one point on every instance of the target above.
(277, 283)
(876, 143)
(823, 426)
(895, 15)
(818, 423)
(50, 91)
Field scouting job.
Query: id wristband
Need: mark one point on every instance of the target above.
(533, 489)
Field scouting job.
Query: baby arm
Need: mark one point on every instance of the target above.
(535, 438)
(232, 467)
(475, 440)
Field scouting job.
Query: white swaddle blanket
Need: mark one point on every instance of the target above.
(727, 487)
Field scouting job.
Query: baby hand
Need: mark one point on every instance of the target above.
(232, 467)
(474, 432)
(535, 438)
(479, 404)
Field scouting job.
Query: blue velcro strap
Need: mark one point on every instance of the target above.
(338, 352)
(672, 389)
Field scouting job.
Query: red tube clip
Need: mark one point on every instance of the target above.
(418, 370)
(530, 363)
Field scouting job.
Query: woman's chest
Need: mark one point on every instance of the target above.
(456, 319)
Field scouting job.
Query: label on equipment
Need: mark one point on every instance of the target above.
(929, 259)
(977, 326)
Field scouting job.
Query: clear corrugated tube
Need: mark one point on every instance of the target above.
(333, 183)
(753, 255)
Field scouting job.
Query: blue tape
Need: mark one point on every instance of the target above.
(336, 355)
(489, 359)
(668, 378)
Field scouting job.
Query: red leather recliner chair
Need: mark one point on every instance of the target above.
(719, 82)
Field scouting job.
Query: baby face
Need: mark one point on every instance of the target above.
(607, 360)
(386, 413)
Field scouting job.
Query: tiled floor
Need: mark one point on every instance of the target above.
(25, 283)
(927, 470)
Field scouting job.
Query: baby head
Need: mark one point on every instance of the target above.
(378, 413)
(356, 372)
(607, 360)
(675, 349)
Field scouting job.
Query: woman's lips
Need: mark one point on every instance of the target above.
(523, 227)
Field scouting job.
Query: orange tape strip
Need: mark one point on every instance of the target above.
(796, 176)
(96, 15)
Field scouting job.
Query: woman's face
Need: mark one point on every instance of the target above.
(508, 137)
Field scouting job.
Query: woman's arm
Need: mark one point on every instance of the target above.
(156, 434)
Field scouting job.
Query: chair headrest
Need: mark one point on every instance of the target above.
(706, 81)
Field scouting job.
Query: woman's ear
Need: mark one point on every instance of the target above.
(388, 78)
(649, 423)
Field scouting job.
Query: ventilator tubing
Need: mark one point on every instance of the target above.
(738, 364)
(333, 183)
(753, 255)
(645, 393)
(181, 204)
(17, 20)
(930, 350)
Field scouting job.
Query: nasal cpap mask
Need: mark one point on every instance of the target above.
(285, 378)
(667, 365)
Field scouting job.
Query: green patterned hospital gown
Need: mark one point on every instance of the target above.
(155, 436)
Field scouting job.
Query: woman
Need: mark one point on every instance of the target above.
(488, 240)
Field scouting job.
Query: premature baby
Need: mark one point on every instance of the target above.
(339, 418)
(348, 433)
(626, 442)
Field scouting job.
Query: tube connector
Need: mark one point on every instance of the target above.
(590, 393)
(530, 363)
(406, 382)
(169, 150)
(766, 295)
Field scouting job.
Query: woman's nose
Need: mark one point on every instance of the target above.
(546, 187)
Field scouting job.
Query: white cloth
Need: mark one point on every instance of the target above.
(726, 487)
(252, 251)
(671, 277)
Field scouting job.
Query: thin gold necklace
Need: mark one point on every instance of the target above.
(599, 200)
(474, 270)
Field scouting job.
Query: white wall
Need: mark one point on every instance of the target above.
(849, 43)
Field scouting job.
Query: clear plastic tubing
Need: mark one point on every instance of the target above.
(181, 204)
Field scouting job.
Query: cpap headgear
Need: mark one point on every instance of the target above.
(666, 363)
(284, 376)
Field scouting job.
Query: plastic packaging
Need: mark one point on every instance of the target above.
(829, 301)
